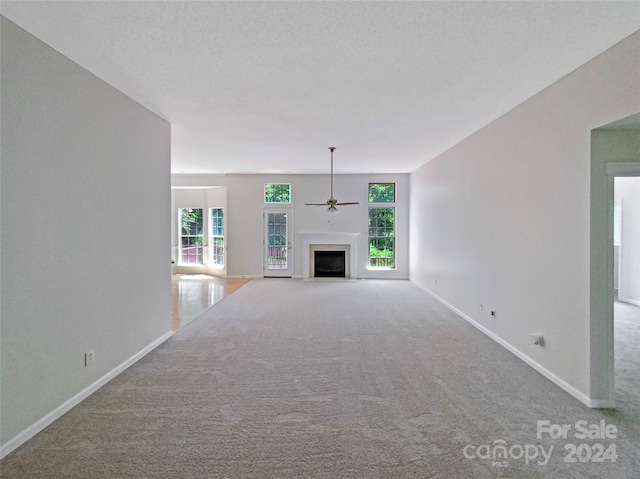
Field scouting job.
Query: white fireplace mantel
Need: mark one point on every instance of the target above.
(310, 239)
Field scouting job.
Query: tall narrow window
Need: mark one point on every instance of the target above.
(382, 231)
(277, 193)
(191, 235)
(217, 236)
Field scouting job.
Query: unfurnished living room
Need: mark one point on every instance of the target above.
(324, 239)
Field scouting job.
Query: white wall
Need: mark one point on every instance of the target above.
(245, 204)
(503, 218)
(627, 192)
(85, 215)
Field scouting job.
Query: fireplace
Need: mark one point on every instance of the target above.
(329, 261)
(329, 264)
(340, 246)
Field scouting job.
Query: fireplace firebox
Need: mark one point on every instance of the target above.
(329, 264)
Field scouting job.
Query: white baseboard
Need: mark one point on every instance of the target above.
(576, 393)
(376, 278)
(630, 301)
(39, 425)
(245, 276)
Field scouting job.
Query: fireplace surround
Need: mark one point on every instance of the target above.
(344, 242)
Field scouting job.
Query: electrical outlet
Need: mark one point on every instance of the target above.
(481, 307)
(89, 356)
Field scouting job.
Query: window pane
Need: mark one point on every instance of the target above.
(191, 235)
(191, 221)
(216, 242)
(382, 192)
(381, 237)
(217, 245)
(191, 249)
(277, 193)
(277, 240)
(217, 224)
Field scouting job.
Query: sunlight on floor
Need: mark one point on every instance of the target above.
(192, 294)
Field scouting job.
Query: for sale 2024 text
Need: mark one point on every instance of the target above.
(582, 430)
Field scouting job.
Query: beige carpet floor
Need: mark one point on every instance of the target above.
(627, 357)
(293, 379)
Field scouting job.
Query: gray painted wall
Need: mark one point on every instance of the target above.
(85, 195)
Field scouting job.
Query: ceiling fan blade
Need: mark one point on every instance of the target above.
(348, 203)
(315, 204)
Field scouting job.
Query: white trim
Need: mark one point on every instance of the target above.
(623, 168)
(576, 393)
(630, 301)
(609, 339)
(42, 423)
(245, 276)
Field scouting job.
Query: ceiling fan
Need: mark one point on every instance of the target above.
(332, 202)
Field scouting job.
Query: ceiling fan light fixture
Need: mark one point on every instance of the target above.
(332, 202)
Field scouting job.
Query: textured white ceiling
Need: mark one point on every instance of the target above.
(268, 86)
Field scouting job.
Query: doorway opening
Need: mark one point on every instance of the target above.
(626, 291)
(614, 153)
(605, 344)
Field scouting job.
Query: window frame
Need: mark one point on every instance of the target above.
(199, 249)
(216, 251)
(376, 205)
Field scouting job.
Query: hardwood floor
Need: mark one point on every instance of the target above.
(191, 294)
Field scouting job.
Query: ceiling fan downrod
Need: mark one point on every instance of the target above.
(332, 202)
(332, 149)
